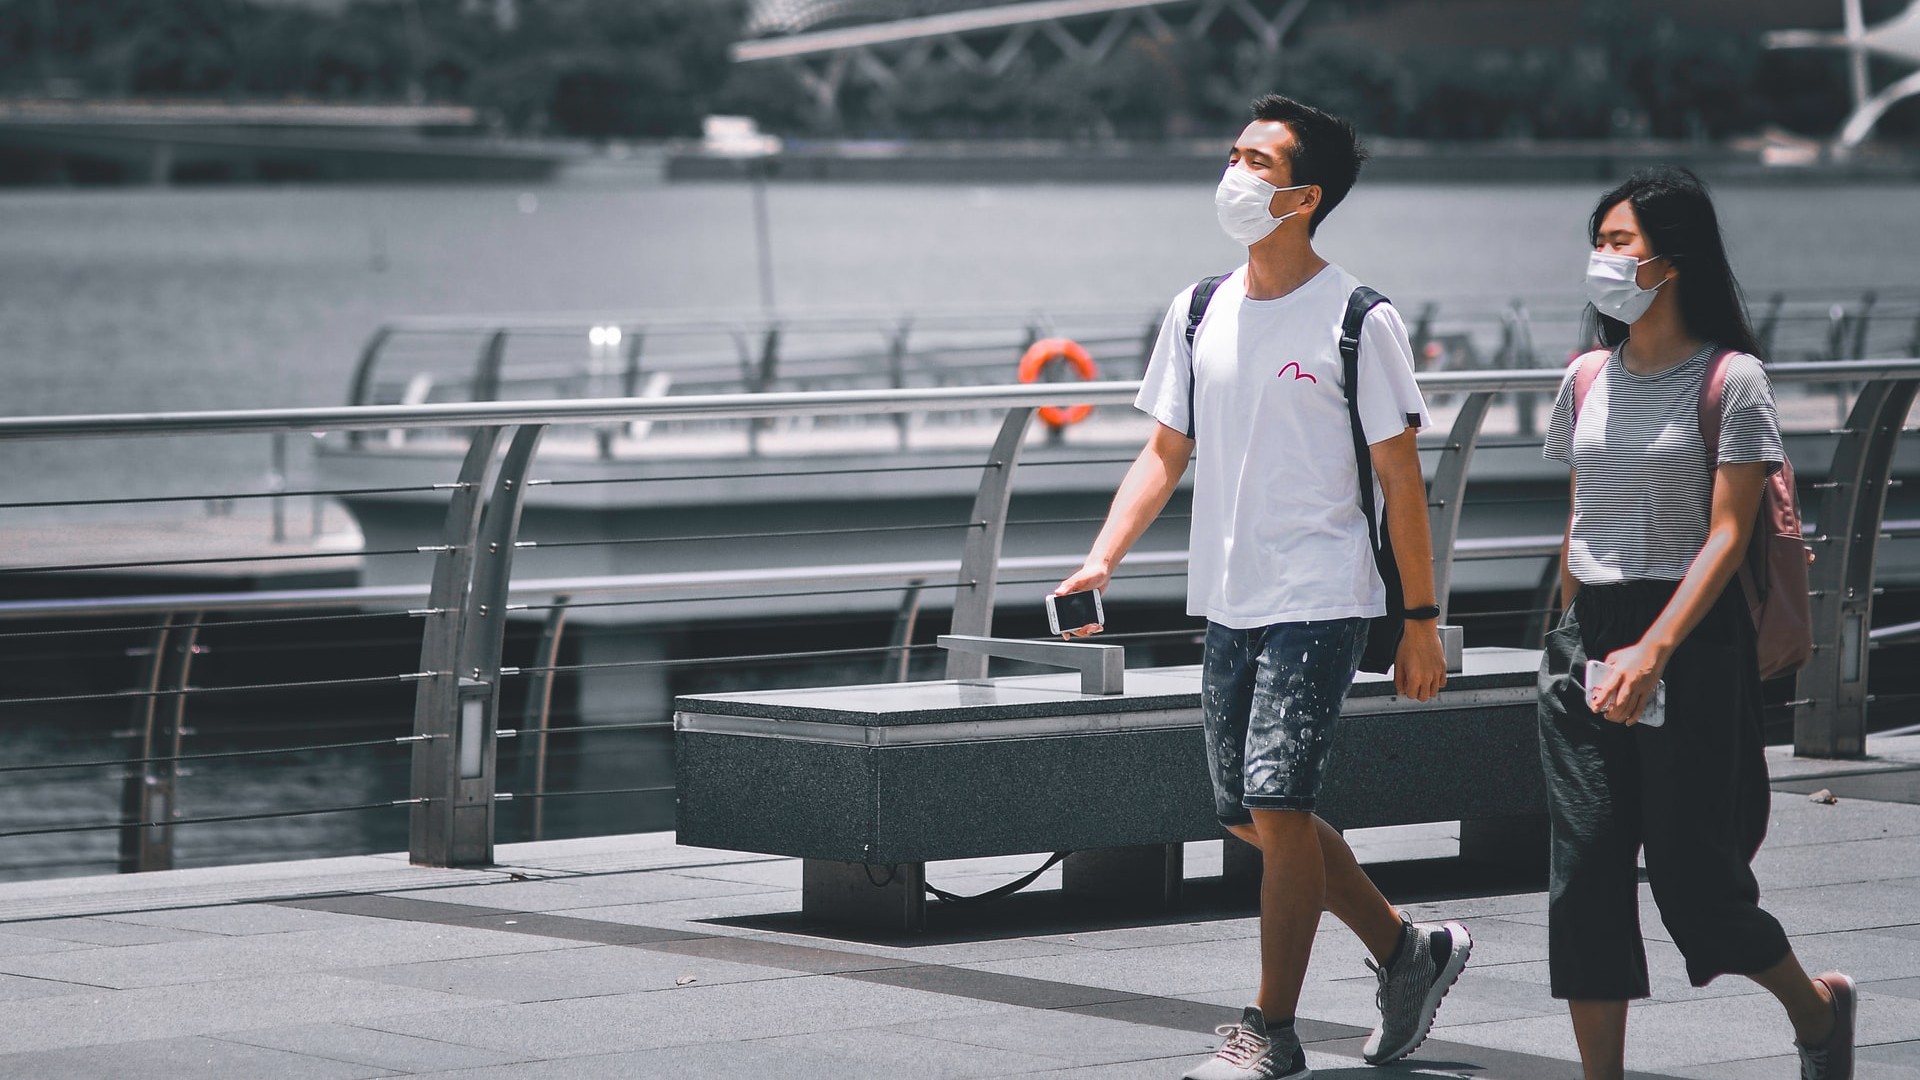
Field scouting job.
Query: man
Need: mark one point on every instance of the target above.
(1282, 567)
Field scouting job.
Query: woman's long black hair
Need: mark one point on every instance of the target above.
(1676, 216)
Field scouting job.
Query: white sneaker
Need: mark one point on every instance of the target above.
(1431, 959)
(1252, 1052)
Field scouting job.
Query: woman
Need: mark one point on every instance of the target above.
(1653, 542)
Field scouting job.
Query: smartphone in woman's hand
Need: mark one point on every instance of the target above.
(1652, 714)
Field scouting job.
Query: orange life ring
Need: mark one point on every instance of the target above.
(1046, 351)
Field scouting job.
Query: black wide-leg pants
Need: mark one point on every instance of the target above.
(1693, 793)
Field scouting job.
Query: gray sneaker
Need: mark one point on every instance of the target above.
(1833, 1059)
(1431, 958)
(1252, 1052)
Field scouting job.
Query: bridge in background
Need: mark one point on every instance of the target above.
(164, 142)
(990, 40)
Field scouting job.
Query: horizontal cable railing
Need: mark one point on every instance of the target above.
(267, 705)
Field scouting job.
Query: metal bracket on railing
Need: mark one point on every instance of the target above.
(1449, 490)
(980, 559)
(1836, 679)
(1102, 668)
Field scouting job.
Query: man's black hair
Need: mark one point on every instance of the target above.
(1326, 150)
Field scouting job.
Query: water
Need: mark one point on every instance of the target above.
(136, 300)
(237, 298)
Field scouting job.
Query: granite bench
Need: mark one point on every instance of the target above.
(867, 784)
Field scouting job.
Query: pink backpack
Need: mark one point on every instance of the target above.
(1774, 572)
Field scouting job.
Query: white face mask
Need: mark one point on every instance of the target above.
(1614, 287)
(1241, 201)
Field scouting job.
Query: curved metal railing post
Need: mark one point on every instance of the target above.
(486, 374)
(150, 792)
(474, 778)
(1832, 689)
(1449, 488)
(539, 711)
(436, 710)
(986, 528)
(362, 390)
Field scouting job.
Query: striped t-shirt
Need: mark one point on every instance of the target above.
(1643, 493)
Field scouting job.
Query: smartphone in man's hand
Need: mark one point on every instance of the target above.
(1071, 611)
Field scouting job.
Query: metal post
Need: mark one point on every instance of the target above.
(149, 792)
(629, 387)
(362, 392)
(540, 710)
(980, 560)
(1450, 488)
(903, 622)
(436, 709)
(897, 372)
(277, 481)
(473, 779)
(757, 171)
(1833, 719)
(486, 374)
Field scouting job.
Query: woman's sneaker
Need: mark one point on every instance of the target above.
(1431, 958)
(1833, 1059)
(1252, 1052)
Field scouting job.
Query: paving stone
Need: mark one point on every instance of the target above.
(1074, 1038)
(230, 920)
(1699, 1031)
(685, 1015)
(580, 891)
(1176, 970)
(114, 1016)
(192, 1058)
(1865, 906)
(1906, 988)
(1904, 1055)
(364, 1046)
(19, 945)
(894, 1054)
(92, 931)
(211, 957)
(768, 1058)
(574, 973)
(1808, 865)
(15, 987)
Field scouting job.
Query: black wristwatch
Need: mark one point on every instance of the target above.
(1431, 611)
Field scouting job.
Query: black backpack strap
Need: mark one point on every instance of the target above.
(1359, 304)
(1203, 292)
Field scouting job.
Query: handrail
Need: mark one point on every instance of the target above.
(717, 581)
(768, 405)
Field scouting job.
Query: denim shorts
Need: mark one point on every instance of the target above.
(1269, 698)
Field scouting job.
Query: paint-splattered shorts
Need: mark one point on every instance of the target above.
(1269, 698)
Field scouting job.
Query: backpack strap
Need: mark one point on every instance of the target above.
(1203, 291)
(1362, 301)
(1712, 389)
(1586, 370)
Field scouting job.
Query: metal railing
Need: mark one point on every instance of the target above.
(648, 354)
(461, 706)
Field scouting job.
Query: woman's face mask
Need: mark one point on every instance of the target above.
(1614, 288)
(1241, 202)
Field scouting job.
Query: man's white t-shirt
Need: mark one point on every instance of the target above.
(1278, 534)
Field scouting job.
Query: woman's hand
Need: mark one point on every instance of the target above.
(1093, 575)
(1629, 687)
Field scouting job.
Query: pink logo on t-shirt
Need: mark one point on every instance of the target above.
(1294, 365)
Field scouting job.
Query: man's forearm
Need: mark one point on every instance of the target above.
(1412, 547)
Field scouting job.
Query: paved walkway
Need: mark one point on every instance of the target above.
(631, 957)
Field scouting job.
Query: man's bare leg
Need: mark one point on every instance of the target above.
(1292, 895)
(1349, 894)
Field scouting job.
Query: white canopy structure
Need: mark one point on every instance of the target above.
(1898, 37)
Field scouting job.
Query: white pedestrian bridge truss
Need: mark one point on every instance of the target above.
(1897, 38)
(988, 39)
